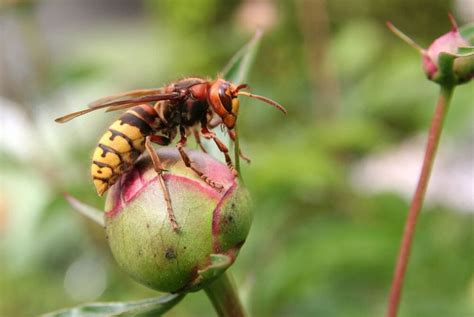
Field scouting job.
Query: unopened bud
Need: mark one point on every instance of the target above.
(211, 223)
(449, 60)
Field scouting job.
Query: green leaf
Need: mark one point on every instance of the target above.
(467, 32)
(236, 71)
(90, 212)
(146, 307)
(239, 65)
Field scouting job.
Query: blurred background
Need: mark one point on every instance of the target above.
(331, 182)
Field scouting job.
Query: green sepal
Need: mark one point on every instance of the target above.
(455, 69)
(467, 32)
(90, 212)
(464, 68)
(146, 307)
(465, 51)
(445, 75)
(218, 264)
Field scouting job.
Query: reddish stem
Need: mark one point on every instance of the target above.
(417, 202)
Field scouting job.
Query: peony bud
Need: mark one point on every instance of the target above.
(449, 60)
(212, 224)
(448, 43)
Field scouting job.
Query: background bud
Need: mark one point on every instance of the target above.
(449, 60)
(211, 223)
(443, 62)
(448, 43)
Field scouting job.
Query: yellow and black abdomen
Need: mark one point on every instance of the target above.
(121, 145)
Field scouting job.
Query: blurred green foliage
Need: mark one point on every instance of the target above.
(318, 246)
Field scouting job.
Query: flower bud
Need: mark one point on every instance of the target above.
(212, 224)
(445, 50)
(449, 60)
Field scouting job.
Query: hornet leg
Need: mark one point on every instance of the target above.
(159, 170)
(197, 136)
(187, 161)
(211, 135)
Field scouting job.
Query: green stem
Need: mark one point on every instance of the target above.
(224, 297)
(237, 152)
(417, 202)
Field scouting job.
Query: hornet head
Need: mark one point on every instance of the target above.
(223, 100)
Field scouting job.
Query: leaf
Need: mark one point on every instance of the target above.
(90, 212)
(236, 71)
(239, 65)
(146, 307)
(467, 32)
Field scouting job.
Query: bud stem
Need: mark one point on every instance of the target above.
(224, 297)
(237, 153)
(417, 202)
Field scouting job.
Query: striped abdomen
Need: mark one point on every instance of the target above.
(121, 145)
